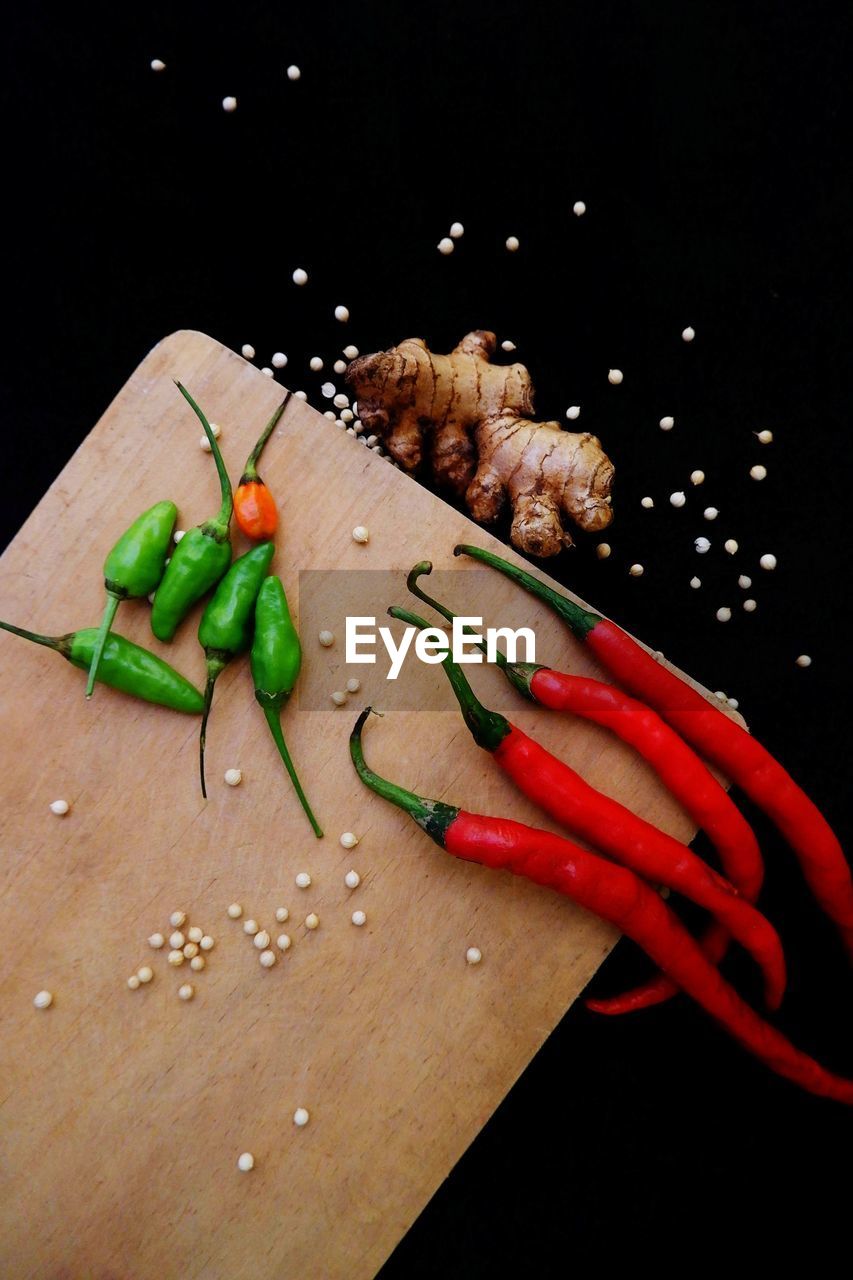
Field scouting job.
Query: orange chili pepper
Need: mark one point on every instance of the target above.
(254, 506)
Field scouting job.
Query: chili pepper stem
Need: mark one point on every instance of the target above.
(113, 602)
(432, 815)
(250, 472)
(272, 711)
(61, 644)
(581, 621)
(216, 664)
(223, 519)
(488, 728)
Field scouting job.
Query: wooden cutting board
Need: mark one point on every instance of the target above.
(123, 1113)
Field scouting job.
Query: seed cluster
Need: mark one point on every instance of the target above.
(186, 943)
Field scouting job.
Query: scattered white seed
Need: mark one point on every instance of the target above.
(300, 276)
(750, 606)
(312, 921)
(702, 545)
(235, 911)
(157, 64)
(359, 918)
(358, 427)
(353, 685)
(734, 704)
(731, 546)
(697, 477)
(341, 401)
(301, 1117)
(352, 879)
(190, 950)
(512, 243)
(758, 472)
(331, 415)
(666, 424)
(177, 940)
(695, 583)
(204, 444)
(602, 550)
(246, 1162)
(250, 927)
(233, 777)
(315, 364)
(145, 973)
(178, 535)
(303, 880)
(768, 561)
(724, 614)
(247, 351)
(283, 942)
(579, 208)
(446, 245)
(43, 999)
(342, 314)
(338, 697)
(457, 230)
(351, 352)
(573, 411)
(744, 581)
(765, 437)
(473, 955)
(282, 914)
(636, 571)
(267, 959)
(372, 441)
(340, 366)
(804, 660)
(229, 104)
(710, 513)
(133, 982)
(186, 992)
(688, 334)
(677, 499)
(60, 808)
(648, 503)
(207, 943)
(261, 940)
(156, 940)
(178, 919)
(293, 73)
(327, 390)
(508, 345)
(197, 963)
(279, 360)
(194, 934)
(349, 840)
(176, 958)
(360, 534)
(267, 371)
(327, 639)
(615, 376)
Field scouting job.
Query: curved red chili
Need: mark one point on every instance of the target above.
(720, 740)
(562, 793)
(617, 895)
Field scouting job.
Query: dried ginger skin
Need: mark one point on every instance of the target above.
(470, 417)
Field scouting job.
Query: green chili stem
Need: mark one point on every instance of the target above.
(424, 567)
(227, 508)
(488, 727)
(272, 711)
(581, 621)
(216, 664)
(113, 602)
(59, 643)
(250, 471)
(433, 815)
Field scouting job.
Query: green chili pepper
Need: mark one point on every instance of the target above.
(125, 666)
(226, 625)
(202, 555)
(133, 568)
(276, 660)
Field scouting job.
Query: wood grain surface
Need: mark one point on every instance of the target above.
(123, 1113)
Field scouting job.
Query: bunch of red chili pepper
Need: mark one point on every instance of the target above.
(664, 720)
(247, 608)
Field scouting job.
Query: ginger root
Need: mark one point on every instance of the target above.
(472, 419)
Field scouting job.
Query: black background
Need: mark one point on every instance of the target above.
(707, 143)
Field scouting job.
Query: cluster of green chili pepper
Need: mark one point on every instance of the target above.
(246, 606)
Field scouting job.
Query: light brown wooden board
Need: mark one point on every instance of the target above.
(123, 1113)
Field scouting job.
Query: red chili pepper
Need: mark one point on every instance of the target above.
(720, 740)
(676, 764)
(611, 827)
(254, 506)
(617, 895)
